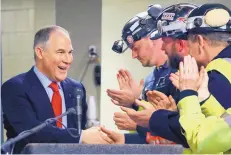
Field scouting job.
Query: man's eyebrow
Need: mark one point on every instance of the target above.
(62, 50)
(72, 50)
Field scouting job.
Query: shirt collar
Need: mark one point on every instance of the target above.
(44, 79)
(165, 65)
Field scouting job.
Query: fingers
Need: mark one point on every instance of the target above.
(128, 74)
(152, 94)
(206, 77)
(159, 94)
(175, 76)
(121, 126)
(120, 114)
(175, 79)
(142, 104)
(120, 81)
(175, 83)
(115, 102)
(186, 66)
(149, 93)
(112, 91)
(118, 118)
(141, 85)
(172, 103)
(154, 102)
(171, 99)
(109, 133)
(181, 67)
(123, 74)
(201, 77)
(130, 112)
(181, 72)
(194, 66)
(177, 73)
(106, 138)
(115, 94)
(152, 98)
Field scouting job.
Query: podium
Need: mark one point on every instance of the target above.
(57, 148)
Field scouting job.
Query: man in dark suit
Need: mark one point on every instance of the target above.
(43, 92)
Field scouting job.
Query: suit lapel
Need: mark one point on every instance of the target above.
(39, 97)
(69, 102)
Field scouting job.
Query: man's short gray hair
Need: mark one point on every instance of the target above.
(42, 36)
(214, 38)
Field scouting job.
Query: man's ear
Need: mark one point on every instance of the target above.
(201, 43)
(181, 45)
(39, 52)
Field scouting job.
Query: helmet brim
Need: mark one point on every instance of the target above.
(155, 35)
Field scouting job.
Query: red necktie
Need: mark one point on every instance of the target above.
(56, 102)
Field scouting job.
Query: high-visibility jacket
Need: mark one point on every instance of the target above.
(166, 123)
(210, 134)
(207, 128)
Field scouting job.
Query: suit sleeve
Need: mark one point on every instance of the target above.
(135, 139)
(20, 114)
(204, 134)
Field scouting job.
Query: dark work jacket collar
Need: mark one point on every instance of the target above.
(225, 53)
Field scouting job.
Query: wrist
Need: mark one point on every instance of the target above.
(83, 134)
(133, 127)
(186, 93)
(122, 139)
(185, 89)
(203, 97)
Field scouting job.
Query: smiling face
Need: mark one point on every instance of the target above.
(54, 59)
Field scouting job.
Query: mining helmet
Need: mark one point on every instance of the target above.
(172, 21)
(138, 27)
(211, 17)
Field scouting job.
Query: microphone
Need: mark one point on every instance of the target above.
(78, 94)
(7, 145)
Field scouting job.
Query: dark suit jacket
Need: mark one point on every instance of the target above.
(26, 104)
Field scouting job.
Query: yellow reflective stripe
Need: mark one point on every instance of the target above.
(221, 65)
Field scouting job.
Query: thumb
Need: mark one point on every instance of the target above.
(125, 109)
(141, 83)
(142, 104)
(206, 77)
(201, 77)
(171, 99)
(106, 131)
(109, 133)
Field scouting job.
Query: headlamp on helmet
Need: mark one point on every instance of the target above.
(214, 19)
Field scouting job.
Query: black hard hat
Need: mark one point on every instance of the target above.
(138, 27)
(211, 17)
(172, 21)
